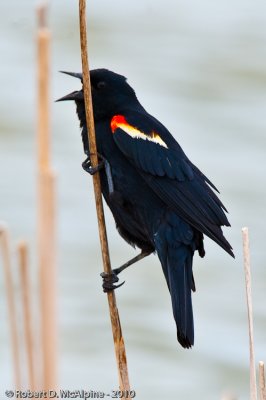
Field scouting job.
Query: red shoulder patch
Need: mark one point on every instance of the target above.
(116, 121)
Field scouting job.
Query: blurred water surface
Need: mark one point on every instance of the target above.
(199, 67)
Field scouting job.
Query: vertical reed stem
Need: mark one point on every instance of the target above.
(26, 305)
(253, 385)
(46, 211)
(262, 381)
(43, 71)
(10, 294)
(114, 315)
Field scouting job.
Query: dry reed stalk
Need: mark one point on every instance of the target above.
(43, 70)
(10, 293)
(114, 315)
(46, 211)
(47, 279)
(26, 305)
(262, 381)
(246, 252)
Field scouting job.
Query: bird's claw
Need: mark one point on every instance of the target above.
(103, 164)
(109, 280)
(86, 165)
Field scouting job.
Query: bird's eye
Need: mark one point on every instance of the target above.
(101, 85)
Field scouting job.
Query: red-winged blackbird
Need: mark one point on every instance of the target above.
(160, 200)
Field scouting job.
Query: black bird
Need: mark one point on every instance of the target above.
(160, 200)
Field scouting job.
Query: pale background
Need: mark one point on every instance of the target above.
(199, 67)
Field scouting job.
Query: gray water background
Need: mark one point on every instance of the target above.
(199, 67)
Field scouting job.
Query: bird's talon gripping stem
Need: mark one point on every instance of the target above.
(86, 165)
(109, 280)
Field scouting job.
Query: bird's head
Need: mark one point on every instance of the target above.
(110, 93)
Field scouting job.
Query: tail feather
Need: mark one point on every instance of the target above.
(177, 267)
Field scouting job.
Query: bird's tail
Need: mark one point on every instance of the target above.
(176, 261)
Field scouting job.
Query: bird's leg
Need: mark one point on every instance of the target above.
(86, 165)
(110, 279)
(133, 260)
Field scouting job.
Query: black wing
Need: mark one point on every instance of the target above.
(160, 160)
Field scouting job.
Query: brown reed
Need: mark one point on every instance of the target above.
(23, 259)
(10, 294)
(246, 252)
(46, 210)
(262, 386)
(114, 315)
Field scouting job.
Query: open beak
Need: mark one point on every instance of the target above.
(75, 74)
(76, 95)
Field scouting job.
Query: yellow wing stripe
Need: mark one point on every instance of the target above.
(119, 121)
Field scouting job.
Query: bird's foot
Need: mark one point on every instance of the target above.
(109, 281)
(103, 164)
(86, 165)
